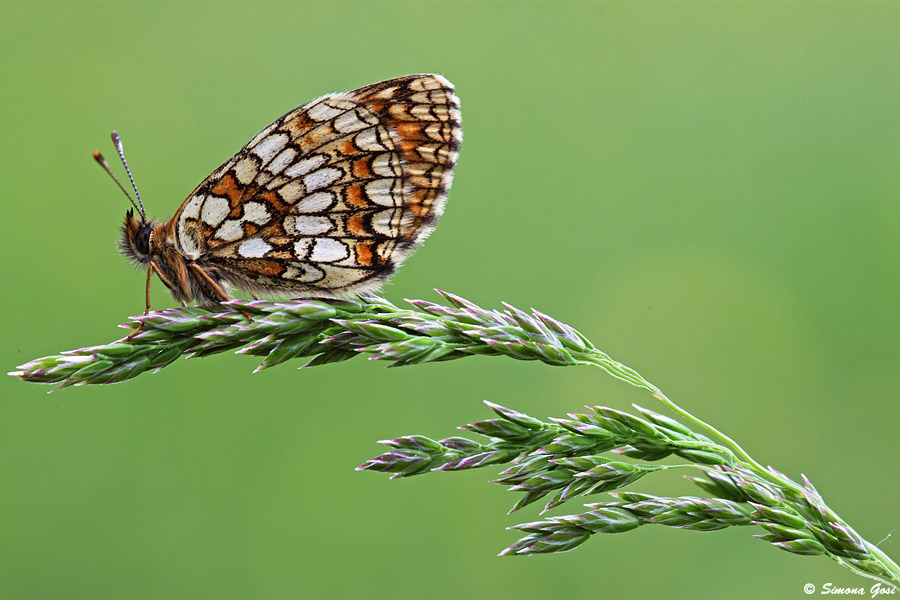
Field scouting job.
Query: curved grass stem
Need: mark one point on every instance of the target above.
(568, 457)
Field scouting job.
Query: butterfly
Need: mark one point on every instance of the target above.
(328, 200)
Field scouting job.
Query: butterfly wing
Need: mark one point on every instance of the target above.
(332, 197)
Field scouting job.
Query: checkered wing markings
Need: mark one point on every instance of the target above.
(332, 196)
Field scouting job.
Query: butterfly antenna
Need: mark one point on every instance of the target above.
(118, 142)
(102, 162)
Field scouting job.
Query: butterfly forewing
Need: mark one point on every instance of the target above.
(332, 197)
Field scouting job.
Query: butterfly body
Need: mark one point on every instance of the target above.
(326, 201)
(152, 246)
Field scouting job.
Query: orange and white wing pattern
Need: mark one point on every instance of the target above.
(332, 197)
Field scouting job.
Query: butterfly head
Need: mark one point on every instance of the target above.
(136, 237)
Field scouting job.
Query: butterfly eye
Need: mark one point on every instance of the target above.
(142, 239)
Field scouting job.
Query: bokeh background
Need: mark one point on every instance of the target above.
(709, 191)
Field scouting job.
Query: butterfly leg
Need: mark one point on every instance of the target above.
(147, 291)
(150, 269)
(165, 280)
(215, 286)
(147, 309)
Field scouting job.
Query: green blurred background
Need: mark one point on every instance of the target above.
(709, 191)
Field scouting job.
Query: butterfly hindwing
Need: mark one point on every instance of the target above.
(332, 197)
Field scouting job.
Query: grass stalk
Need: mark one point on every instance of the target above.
(600, 451)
